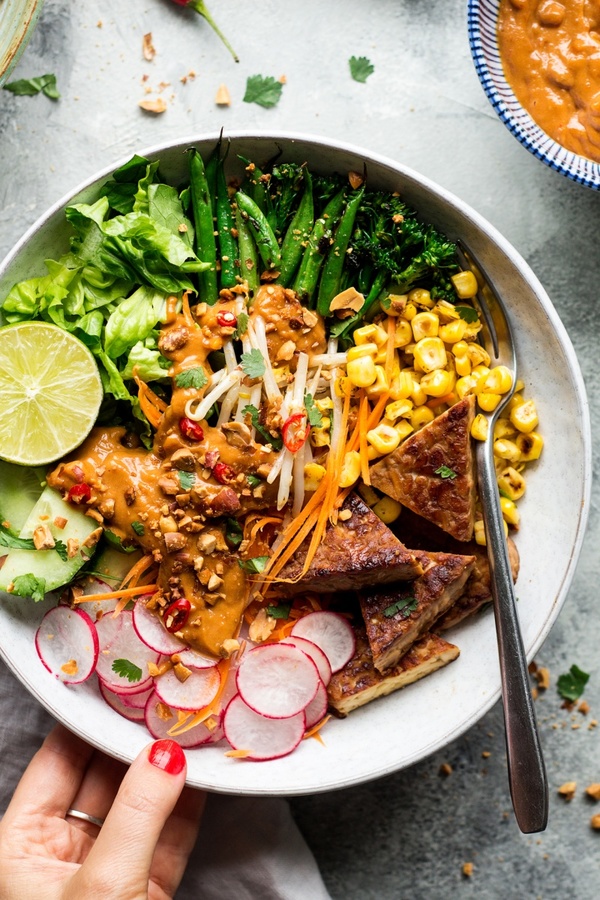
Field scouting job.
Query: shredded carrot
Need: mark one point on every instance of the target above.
(279, 634)
(211, 709)
(185, 308)
(238, 754)
(151, 405)
(171, 310)
(363, 416)
(314, 731)
(137, 570)
(262, 522)
(437, 401)
(389, 348)
(117, 595)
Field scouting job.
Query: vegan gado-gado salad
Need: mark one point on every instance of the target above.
(236, 447)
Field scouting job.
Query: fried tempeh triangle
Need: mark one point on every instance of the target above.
(397, 617)
(432, 472)
(357, 551)
(359, 682)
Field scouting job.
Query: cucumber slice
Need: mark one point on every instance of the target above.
(48, 564)
(20, 488)
(113, 565)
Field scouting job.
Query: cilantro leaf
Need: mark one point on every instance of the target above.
(10, 540)
(194, 378)
(360, 68)
(251, 410)
(242, 326)
(253, 363)
(29, 586)
(445, 472)
(126, 669)
(405, 605)
(115, 541)
(315, 419)
(467, 313)
(138, 527)
(263, 90)
(253, 480)
(571, 684)
(281, 611)
(234, 533)
(61, 549)
(186, 479)
(255, 565)
(29, 87)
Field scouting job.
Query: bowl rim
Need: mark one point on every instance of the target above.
(154, 151)
(482, 16)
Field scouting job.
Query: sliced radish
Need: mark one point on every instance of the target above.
(160, 719)
(115, 702)
(263, 738)
(193, 659)
(277, 680)
(198, 689)
(331, 632)
(67, 644)
(135, 699)
(98, 608)
(316, 654)
(152, 632)
(118, 641)
(317, 708)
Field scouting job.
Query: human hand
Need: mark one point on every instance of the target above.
(141, 850)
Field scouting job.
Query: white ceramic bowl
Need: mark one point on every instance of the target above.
(17, 21)
(395, 731)
(482, 18)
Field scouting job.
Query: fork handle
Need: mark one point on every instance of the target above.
(526, 770)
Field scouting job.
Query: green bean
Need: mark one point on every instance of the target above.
(318, 244)
(297, 234)
(262, 231)
(228, 250)
(248, 254)
(329, 284)
(256, 185)
(206, 247)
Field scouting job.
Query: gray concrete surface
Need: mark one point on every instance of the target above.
(406, 836)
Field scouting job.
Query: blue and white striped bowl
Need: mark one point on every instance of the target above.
(482, 20)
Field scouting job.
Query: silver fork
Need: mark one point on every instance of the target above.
(526, 770)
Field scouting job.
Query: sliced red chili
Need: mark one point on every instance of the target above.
(190, 429)
(177, 614)
(226, 319)
(79, 493)
(224, 473)
(295, 431)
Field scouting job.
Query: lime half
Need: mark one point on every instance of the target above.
(50, 393)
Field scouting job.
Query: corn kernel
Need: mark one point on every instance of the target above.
(372, 333)
(368, 349)
(488, 401)
(421, 297)
(402, 386)
(477, 354)
(381, 356)
(524, 417)
(530, 445)
(421, 416)
(372, 453)
(403, 334)
(461, 349)
(453, 332)
(425, 324)
(498, 380)
(462, 364)
(410, 311)
(480, 428)
(519, 386)
(343, 387)
(506, 449)
(319, 437)
(446, 311)
(387, 510)
(324, 404)
(465, 386)
(398, 409)
(369, 494)
(430, 354)
(511, 483)
(380, 385)
(510, 513)
(418, 395)
(479, 533)
(515, 400)
(403, 428)
(383, 438)
(503, 428)
(313, 475)
(362, 372)
(465, 284)
(350, 469)
(438, 383)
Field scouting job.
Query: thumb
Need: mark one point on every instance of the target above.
(119, 863)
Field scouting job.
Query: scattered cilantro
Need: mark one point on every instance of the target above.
(29, 586)
(405, 605)
(186, 479)
(115, 541)
(29, 87)
(61, 549)
(445, 472)
(467, 313)
(234, 534)
(315, 419)
(253, 363)
(138, 527)
(360, 68)
(255, 565)
(194, 378)
(264, 90)
(126, 669)
(571, 684)
(253, 480)
(251, 410)
(242, 326)
(281, 611)
(9, 540)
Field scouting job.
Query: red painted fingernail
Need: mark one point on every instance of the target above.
(168, 756)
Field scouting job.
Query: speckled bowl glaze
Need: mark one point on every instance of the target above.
(398, 730)
(482, 18)
(17, 21)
